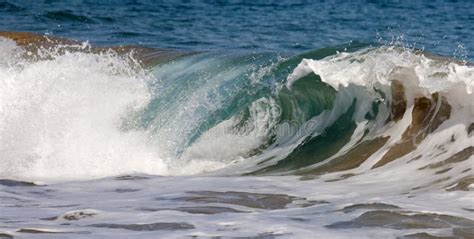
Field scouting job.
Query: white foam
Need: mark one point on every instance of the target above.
(228, 142)
(382, 65)
(62, 118)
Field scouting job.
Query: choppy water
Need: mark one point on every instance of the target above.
(308, 120)
(444, 27)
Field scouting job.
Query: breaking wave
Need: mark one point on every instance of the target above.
(348, 110)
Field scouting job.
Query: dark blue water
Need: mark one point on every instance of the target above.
(443, 27)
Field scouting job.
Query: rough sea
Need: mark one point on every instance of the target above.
(236, 119)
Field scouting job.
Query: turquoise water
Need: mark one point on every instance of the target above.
(265, 120)
(443, 27)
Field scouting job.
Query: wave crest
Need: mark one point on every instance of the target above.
(373, 112)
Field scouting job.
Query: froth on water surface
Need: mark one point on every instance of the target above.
(232, 207)
(346, 141)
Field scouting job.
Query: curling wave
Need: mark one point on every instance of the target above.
(80, 113)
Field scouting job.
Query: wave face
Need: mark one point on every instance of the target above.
(354, 109)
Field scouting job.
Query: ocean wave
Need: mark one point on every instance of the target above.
(356, 110)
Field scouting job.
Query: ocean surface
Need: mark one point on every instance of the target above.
(236, 119)
(443, 27)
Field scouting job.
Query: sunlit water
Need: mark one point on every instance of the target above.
(308, 120)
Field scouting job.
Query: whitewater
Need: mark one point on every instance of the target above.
(356, 140)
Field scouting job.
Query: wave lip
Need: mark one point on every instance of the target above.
(422, 114)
